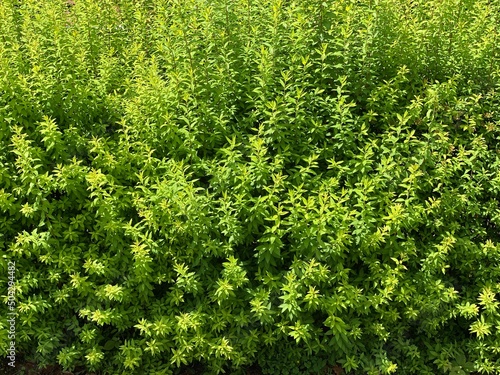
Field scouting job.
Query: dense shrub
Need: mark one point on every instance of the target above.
(292, 184)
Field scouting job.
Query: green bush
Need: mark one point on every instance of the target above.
(293, 184)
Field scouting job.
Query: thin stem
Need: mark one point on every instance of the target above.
(457, 23)
(249, 8)
(228, 31)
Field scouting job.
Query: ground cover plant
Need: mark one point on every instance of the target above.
(293, 185)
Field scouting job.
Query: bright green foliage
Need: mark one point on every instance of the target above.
(289, 183)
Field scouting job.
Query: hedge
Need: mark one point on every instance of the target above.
(290, 184)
